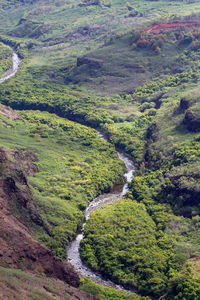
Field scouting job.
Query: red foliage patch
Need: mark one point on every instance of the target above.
(157, 28)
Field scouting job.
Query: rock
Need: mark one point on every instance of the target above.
(2, 157)
(153, 132)
(22, 160)
(185, 104)
(84, 32)
(181, 189)
(133, 14)
(94, 63)
(10, 185)
(192, 121)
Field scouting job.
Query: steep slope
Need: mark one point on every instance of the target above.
(17, 284)
(18, 248)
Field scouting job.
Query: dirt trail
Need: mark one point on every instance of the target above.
(166, 26)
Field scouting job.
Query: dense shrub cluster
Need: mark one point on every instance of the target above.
(143, 254)
(145, 40)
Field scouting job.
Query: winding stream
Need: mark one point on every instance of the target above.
(73, 248)
(118, 192)
(15, 65)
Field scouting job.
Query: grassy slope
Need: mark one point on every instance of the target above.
(124, 68)
(16, 284)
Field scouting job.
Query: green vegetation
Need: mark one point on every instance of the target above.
(128, 61)
(5, 59)
(184, 286)
(166, 185)
(106, 293)
(142, 256)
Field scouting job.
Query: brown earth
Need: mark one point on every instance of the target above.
(9, 113)
(196, 265)
(164, 26)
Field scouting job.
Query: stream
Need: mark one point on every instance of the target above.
(117, 192)
(15, 65)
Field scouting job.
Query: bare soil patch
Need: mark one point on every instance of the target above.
(165, 26)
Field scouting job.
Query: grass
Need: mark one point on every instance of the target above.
(16, 284)
(106, 293)
(19, 284)
(124, 68)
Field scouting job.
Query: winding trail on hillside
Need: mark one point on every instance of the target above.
(117, 192)
(15, 66)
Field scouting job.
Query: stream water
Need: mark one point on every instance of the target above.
(15, 65)
(117, 192)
